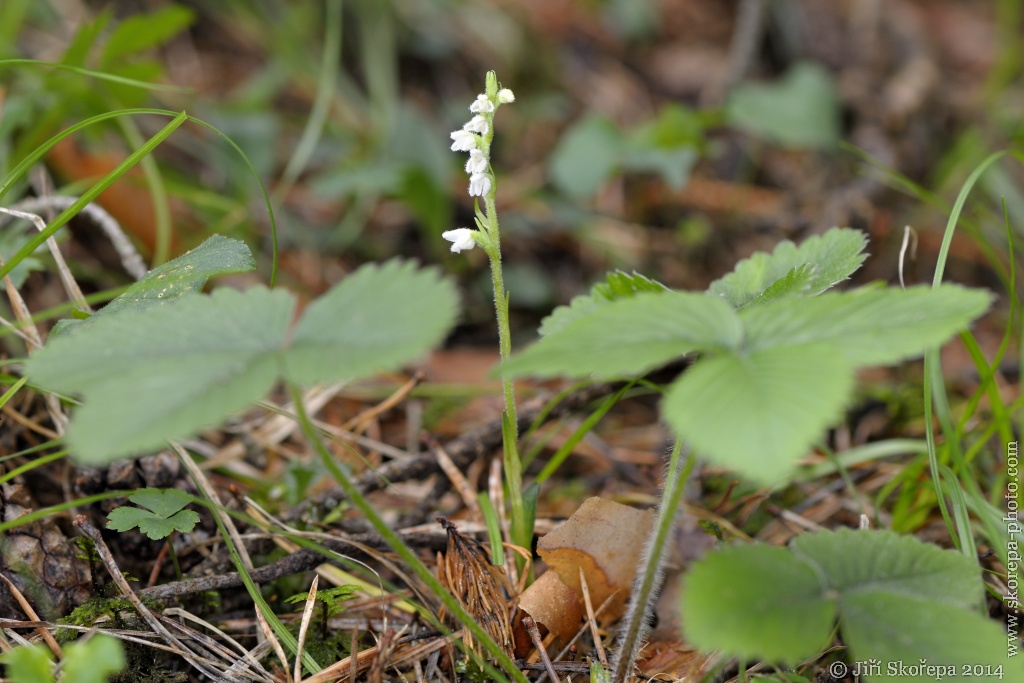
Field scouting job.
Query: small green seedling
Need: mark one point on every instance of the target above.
(91, 661)
(164, 516)
(329, 601)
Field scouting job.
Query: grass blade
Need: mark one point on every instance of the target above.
(96, 74)
(67, 214)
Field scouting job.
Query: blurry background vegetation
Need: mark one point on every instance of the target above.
(667, 136)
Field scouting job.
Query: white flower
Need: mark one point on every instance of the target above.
(479, 185)
(481, 105)
(477, 162)
(506, 96)
(461, 239)
(477, 124)
(464, 141)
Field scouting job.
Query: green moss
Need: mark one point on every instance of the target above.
(89, 612)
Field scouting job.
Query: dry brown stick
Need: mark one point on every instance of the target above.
(31, 614)
(307, 615)
(204, 485)
(107, 558)
(358, 423)
(226, 523)
(457, 478)
(301, 561)
(33, 341)
(583, 629)
(531, 628)
(354, 662)
(269, 638)
(215, 651)
(592, 620)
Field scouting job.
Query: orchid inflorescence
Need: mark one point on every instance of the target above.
(475, 137)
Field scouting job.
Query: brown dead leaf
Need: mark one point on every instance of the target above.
(553, 605)
(606, 540)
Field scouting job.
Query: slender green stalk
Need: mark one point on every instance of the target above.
(113, 78)
(647, 583)
(476, 137)
(934, 392)
(585, 428)
(325, 90)
(157, 190)
(512, 463)
(43, 513)
(501, 307)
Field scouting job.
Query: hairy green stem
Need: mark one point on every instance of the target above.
(396, 544)
(511, 463)
(647, 583)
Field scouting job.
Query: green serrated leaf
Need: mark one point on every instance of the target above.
(186, 274)
(579, 307)
(375, 319)
(126, 518)
(800, 111)
(831, 258)
(873, 326)
(901, 602)
(759, 413)
(159, 522)
(168, 371)
(795, 283)
(756, 602)
(631, 336)
(94, 660)
(617, 285)
(163, 502)
(886, 562)
(903, 633)
(158, 527)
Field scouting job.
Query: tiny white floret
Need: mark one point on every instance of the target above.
(464, 141)
(477, 162)
(479, 185)
(506, 96)
(477, 124)
(481, 105)
(461, 239)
